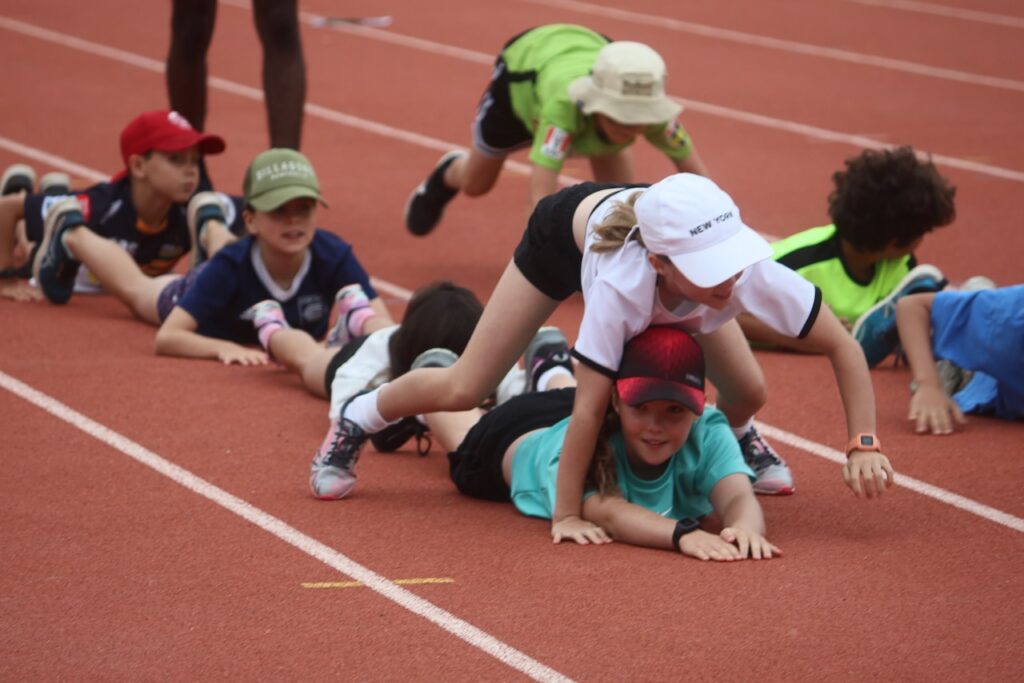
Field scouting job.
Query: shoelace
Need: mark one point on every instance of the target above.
(762, 456)
(345, 446)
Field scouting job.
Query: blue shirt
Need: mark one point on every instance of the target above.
(709, 454)
(230, 283)
(109, 213)
(984, 331)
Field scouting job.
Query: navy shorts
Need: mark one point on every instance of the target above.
(547, 255)
(172, 293)
(475, 466)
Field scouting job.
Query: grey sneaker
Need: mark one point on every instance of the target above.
(773, 476)
(548, 349)
(55, 183)
(332, 473)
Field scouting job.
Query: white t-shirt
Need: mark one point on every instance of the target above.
(621, 299)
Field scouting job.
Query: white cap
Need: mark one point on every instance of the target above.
(627, 84)
(694, 223)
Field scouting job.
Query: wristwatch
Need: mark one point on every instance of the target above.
(684, 526)
(863, 442)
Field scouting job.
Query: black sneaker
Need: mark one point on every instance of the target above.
(53, 268)
(426, 204)
(55, 184)
(17, 178)
(773, 476)
(393, 437)
(548, 349)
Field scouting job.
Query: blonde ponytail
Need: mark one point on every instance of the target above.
(615, 227)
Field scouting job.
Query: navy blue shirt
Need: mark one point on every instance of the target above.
(109, 213)
(230, 283)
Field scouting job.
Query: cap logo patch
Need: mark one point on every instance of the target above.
(282, 169)
(176, 119)
(637, 85)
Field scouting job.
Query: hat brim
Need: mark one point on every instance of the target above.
(632, 111)
(636, 390)
(268, 201)
(207, 143)
(720, 261)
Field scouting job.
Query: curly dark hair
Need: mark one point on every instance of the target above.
(439, 315)
(889, 196)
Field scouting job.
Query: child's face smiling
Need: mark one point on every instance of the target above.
(652, 432)
(173, 174)
(288, 229)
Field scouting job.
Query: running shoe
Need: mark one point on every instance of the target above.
(332, 474)
(55, 184)
(202, 207)
(17, 178)
(54, 268)
(547, 350)
(773, 475)
(876, 331)
(426, 204)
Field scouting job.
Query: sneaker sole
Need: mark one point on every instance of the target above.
(17, 178)
(915, 273)
(781, 491)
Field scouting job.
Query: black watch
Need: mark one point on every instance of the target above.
(684, 526)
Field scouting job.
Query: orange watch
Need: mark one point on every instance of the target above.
(863, 442)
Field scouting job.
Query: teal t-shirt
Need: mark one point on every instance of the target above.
(553, 56)
(817, 255)
(709, 454)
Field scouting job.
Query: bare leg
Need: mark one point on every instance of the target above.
(191, 30)
(473, 175)
(215, 236)
(449, 429)
(732, 368)
(118, 273)
(513, 315)
(284, 69)
(301, 354)
(613, 168)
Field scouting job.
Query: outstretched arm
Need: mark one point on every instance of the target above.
(593, 392)
(177, 336)
(12, 211)
(691, 163)
(742, 520)
(543, 181)
(930, 407)
(867, 473)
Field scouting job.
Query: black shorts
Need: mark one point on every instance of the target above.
(475, 466)
(340, 358)
(547, 255)
(497, 131)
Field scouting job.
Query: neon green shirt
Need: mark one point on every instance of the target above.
(542, 63)
(817, 255)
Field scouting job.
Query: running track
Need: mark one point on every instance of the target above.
(155, 522)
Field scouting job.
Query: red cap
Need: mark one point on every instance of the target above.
(165, 131)
(662, 363)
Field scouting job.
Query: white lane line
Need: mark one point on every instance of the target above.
(437, 144)
(944, 11)
(449, 622)
(91, 174)
(916, 485)
(793, 46)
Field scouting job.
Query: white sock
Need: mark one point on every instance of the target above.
(740, 431)
(363, 411)
(546, 376)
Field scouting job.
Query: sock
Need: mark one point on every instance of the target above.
(357, 319)
(549, 374)
(741, 431)
(362, 410)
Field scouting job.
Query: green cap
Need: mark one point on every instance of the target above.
(278, 176)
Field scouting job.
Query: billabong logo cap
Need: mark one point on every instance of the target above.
(276, 177)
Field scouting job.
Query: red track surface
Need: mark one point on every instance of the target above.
(112, 571)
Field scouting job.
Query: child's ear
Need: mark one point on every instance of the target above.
(136, 167)
(249, 217)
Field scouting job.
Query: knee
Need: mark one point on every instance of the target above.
(278, 27)
(192, 27)
(461, 395)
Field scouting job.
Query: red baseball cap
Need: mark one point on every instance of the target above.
(662, 364)
(164, 130)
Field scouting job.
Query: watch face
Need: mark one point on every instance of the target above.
(867, 440)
